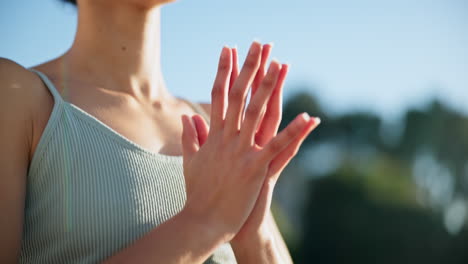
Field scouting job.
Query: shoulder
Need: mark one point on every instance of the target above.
(20, 90)
(11, 71)
(18, 85)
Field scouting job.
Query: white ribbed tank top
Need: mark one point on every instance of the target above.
(92, 192)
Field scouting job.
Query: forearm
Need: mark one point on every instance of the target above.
(279, 242)
(178, 240)
(257, 251)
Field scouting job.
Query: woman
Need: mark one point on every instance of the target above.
(101, 163)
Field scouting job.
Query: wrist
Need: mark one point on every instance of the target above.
(176, 240)
(255, 249)
(209, 227)
(253, 237)
(253, 241)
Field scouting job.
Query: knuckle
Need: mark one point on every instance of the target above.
(251, 62)
(236, 95)
(252, 110)
(223, 67)
(275, 146)
(216, 92)
(290, 132)
(269, 82)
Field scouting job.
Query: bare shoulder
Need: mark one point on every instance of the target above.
(11, 70)
(18, 88)
(18, 85)
(15, 82)
(23, 97)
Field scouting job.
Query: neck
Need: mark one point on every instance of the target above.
(117, 47)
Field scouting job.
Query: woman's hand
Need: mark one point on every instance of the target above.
(260, 228)
(224, 168)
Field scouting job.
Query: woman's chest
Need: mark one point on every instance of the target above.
(156, 130)
(91, 188)
(92, 192)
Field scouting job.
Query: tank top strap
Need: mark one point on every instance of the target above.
(199, 109)
(50, 86)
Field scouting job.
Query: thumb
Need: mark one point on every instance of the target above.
(190, 144)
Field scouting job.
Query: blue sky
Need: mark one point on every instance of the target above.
(381, 56)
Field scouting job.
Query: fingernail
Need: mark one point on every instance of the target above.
(268, 46)
(272, 69)
(275, 60)
(254, 49)
(224, 52)
(285, 67)
(317, 120)
(305, 116)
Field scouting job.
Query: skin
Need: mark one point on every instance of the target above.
(260, 231)
(123, 86)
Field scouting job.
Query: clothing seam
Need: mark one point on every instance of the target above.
(50, 126)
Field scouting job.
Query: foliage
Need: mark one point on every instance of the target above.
(392, 194)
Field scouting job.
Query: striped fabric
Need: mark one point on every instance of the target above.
(92, 192)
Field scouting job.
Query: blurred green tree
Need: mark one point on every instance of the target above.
(382, 201)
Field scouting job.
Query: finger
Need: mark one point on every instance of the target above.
(189, 138)
(283, 139)
(235, 67)
(262, 69)
(258, 104)
(202, 129)
(280, 161)
(271, 118)
(219, 93)
(237, 95)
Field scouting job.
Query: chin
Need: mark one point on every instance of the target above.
(152, 3)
